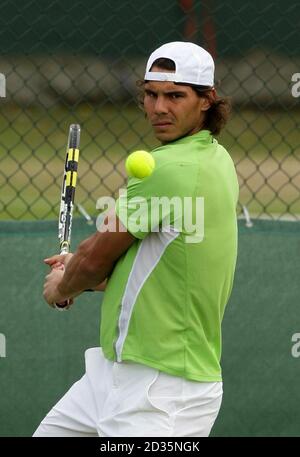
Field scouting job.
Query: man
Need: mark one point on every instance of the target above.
(157, 372)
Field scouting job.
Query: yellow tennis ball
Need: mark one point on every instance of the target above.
(140, 164)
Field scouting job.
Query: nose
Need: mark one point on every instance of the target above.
(160, 105)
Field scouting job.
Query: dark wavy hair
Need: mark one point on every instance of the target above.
(216, 116)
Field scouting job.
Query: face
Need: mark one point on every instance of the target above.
(173, 110)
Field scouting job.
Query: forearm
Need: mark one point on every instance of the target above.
(95, 258)
(81, 274)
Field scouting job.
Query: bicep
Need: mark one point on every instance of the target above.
(108, 243)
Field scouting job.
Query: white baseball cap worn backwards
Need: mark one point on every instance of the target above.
(193, 65)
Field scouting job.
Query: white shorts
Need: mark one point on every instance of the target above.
(129, 399)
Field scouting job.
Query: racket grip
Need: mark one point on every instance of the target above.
(65, 305)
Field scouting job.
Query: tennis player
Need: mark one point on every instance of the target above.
(157, 371)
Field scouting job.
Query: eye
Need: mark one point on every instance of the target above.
(150, 94)
(176, 95)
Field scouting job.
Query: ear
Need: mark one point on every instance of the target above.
(205, 105)
(209, 99)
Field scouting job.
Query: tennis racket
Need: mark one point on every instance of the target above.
(68, 194)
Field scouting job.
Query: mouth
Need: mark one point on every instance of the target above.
(161, 124)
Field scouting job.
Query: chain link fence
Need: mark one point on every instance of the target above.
(64, 62)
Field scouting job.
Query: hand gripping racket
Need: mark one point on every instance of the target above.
(68, 194)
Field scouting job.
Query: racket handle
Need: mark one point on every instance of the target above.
(65, 305)
(62, 306)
